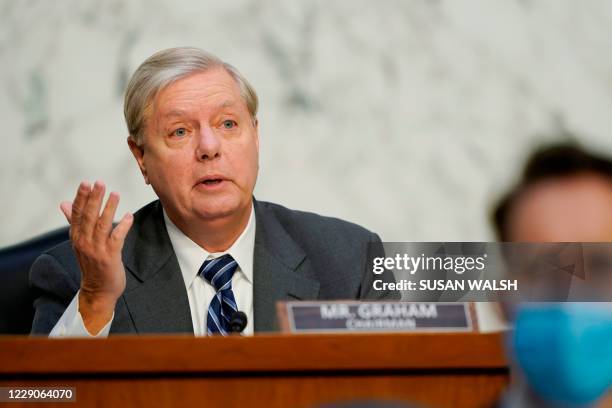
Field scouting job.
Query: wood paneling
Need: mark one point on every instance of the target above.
(436, 370)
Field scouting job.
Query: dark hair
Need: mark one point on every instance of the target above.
(549, 162)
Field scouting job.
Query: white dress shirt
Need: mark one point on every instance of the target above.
(199, 292)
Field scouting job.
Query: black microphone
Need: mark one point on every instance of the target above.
(238, 322)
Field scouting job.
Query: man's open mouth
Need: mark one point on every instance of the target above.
(212, 182)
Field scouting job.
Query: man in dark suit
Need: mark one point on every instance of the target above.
(206, 248)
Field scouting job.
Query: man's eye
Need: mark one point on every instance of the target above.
(180, 132)
(229, 124)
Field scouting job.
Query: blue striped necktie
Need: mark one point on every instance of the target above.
(218, 272)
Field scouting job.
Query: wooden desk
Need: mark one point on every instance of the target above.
(437, 370)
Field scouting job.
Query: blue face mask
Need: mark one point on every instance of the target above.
(565, 350)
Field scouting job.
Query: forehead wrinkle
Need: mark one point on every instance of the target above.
(195, 98)
(174, 113)
(184, 112)
(227, 104)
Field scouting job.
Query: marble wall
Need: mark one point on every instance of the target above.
(408, 117)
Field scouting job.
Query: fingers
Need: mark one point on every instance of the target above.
(120, 231)
(91, 210)
(84, 216)
(66, 207)
(79, 202)
(105, 222)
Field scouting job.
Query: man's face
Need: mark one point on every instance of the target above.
(201, 148)
(568, 209)
(574, 208)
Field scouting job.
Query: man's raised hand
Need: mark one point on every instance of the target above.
(97, 246)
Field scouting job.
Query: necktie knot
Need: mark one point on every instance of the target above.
(219, 271)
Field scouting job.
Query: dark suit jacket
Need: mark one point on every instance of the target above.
(297, 255)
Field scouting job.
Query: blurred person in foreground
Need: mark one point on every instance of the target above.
(565, 195)
(563, 350)
(206, 249)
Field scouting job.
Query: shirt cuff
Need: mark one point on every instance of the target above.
(71, 323)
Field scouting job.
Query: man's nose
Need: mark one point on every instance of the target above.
(209, 144)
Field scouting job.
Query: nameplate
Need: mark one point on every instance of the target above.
(338, 317)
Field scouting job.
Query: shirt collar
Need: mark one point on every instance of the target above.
(191, 256)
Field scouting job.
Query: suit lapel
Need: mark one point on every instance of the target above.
(155, 293)
(281, 270)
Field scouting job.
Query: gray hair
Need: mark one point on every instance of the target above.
(163, 68)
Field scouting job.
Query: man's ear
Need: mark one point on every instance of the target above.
(138, 152)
